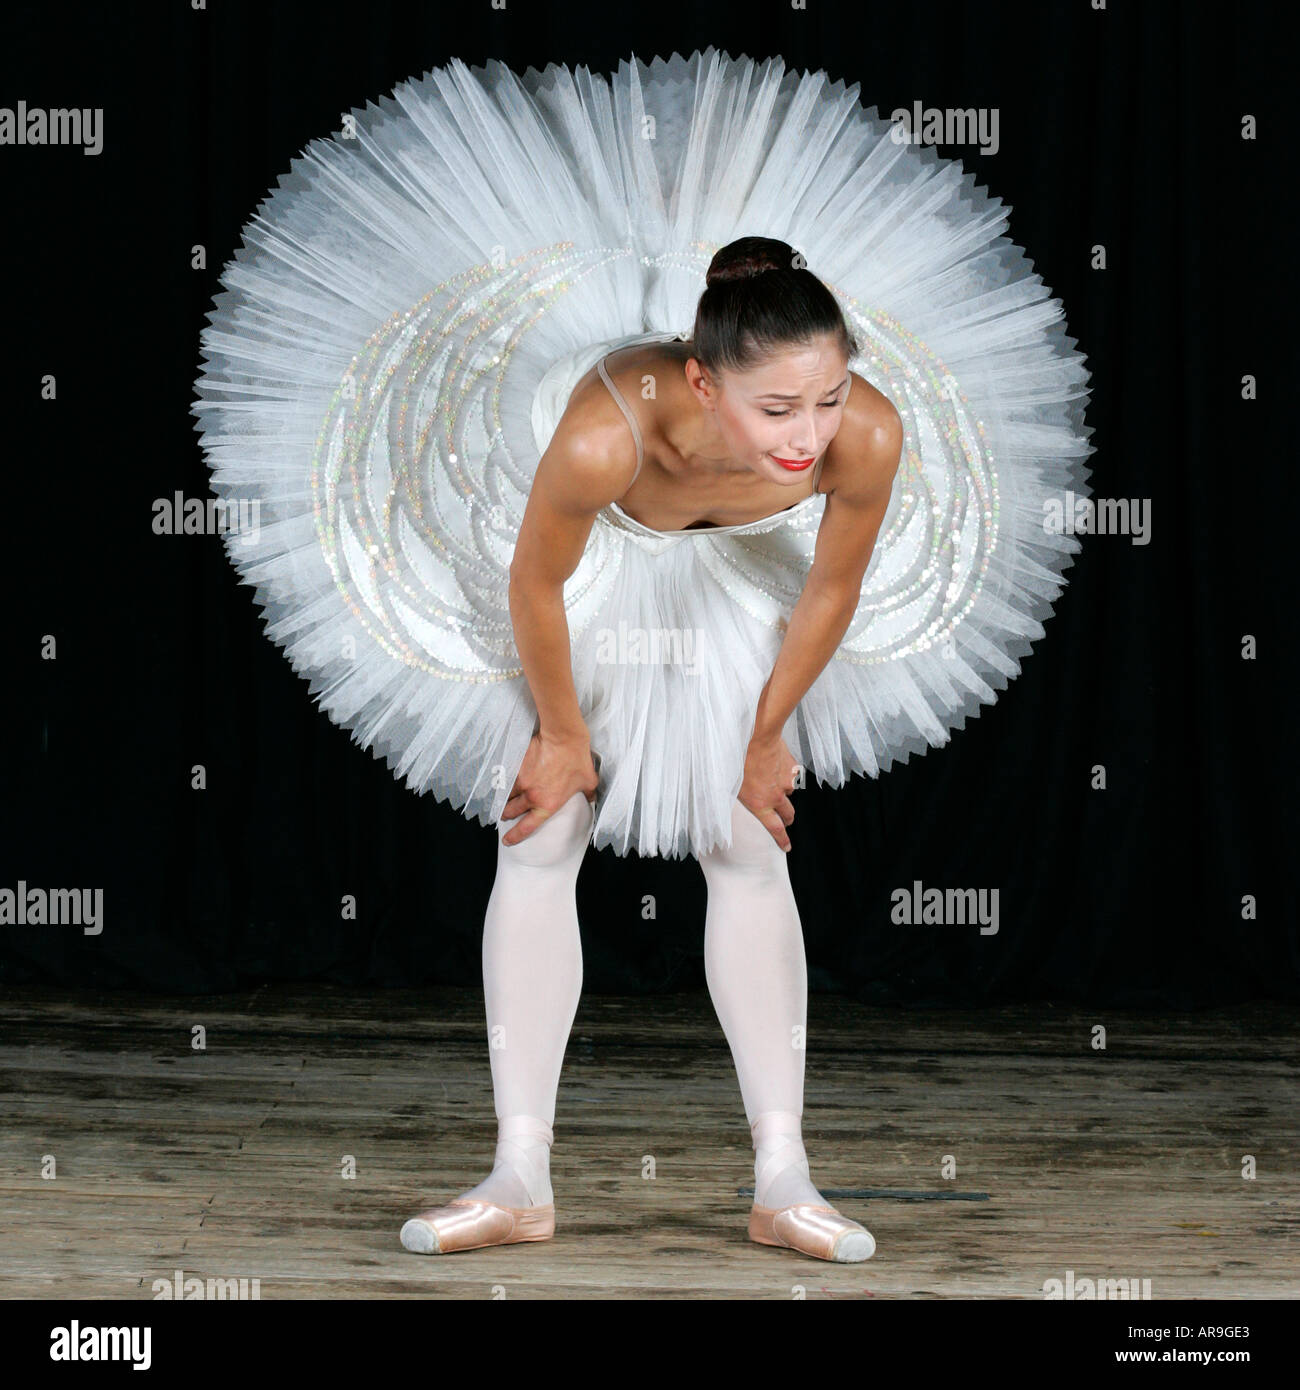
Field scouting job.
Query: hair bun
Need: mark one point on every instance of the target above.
(745, 315)
(747, 257)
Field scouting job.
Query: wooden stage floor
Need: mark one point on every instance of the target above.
(229, 1162)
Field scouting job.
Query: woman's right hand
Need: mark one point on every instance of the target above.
(553, 769)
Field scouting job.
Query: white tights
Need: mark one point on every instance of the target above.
(532, 979)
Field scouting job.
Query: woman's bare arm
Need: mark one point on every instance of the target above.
(588, 464)
(869, 444)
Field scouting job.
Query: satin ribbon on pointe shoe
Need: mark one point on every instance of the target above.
(470, 1223)
(811, 1228)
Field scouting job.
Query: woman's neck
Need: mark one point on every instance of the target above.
(693, 433)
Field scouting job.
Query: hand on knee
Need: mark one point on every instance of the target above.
(752, 849)
(560, 838)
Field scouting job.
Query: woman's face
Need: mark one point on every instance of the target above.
(779, 417)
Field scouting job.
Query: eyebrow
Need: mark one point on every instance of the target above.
(774, 396)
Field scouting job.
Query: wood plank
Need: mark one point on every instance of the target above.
(226, 1162)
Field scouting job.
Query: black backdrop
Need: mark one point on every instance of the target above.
(1119, 126)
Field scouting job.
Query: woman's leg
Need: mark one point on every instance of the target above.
(758, 979)
(532, 979)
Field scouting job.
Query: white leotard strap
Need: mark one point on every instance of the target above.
(631, 419)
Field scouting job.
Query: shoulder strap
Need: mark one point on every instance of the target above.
(631, 419)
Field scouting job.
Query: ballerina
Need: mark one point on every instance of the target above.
(754, 411)
(596, 579)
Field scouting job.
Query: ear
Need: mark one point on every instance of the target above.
(701, 383)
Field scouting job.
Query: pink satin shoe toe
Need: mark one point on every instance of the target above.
(470, 1225)
(812, 1230)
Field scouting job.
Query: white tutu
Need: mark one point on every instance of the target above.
(397, 338)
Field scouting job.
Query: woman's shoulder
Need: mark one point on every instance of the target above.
(632, 369)
(635, 369)
(592, 455)
(868, 442)
(639, 373)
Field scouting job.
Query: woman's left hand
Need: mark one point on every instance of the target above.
(769, 776)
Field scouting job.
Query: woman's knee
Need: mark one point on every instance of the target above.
(559, 839)
(752, 848)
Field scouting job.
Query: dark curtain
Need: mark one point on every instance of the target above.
(1119, 127)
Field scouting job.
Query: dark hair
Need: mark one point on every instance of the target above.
(759, 297)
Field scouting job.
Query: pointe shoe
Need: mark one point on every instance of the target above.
(812, 1230)
(470, 1225)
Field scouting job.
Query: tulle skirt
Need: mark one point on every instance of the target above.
(395, 342)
